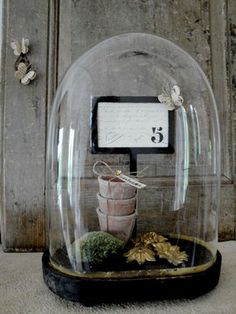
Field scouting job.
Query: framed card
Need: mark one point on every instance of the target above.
(120, 125)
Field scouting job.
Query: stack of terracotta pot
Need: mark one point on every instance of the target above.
(117, 207)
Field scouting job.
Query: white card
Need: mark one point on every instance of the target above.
(125, 124)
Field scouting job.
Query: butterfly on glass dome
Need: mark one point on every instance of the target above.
(24, 73)
(20, 48)
(171, 97)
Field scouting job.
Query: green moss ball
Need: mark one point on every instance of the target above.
(98, 247)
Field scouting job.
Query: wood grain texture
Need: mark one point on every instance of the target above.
(93, 21)
(60, 32)
(231, 58)
(219, 50)
(52, 57)
(24, 129)
(2, 64)
(199, 27)
(85, 23)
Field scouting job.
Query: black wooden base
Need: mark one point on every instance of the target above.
(93, 291)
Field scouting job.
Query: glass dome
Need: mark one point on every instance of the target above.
(133, 164)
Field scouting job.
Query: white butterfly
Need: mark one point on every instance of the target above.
(171, 97)
(20, 48)
(24, 74)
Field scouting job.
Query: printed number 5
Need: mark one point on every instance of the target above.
(157, 135)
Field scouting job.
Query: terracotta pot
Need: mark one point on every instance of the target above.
(112, 187)
(119, 226)
(116, 207)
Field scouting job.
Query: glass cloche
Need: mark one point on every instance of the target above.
(133, 175)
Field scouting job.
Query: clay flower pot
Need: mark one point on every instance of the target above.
(119, 226)
(112, 187)
(116, 207)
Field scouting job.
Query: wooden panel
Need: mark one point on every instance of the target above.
(52, 56)
(23, 219)
(231, 58)
(199, 27)
(2, 63)
(220, 83)
(232, 70)
(84, 23)
(227, 213)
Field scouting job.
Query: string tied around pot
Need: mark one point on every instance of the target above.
(119, 174)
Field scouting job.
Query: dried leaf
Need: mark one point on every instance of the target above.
(150, 238)
(140, 254)
(171, 252)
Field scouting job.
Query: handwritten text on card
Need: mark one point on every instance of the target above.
(132, 124)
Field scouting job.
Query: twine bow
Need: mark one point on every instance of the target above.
(118, 174)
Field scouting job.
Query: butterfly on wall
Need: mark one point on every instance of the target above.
(24, 73)
(171, 97)
(20, 48)
(23, 69)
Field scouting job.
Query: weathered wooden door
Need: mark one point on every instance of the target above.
(59, 32)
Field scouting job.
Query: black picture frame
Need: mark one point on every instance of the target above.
(132, 151)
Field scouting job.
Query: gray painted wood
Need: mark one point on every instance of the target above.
(85, 23)
(52, 57)
(200, 27)
(231, 71)
(24, 129)
(219, 81)
(2, 63)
